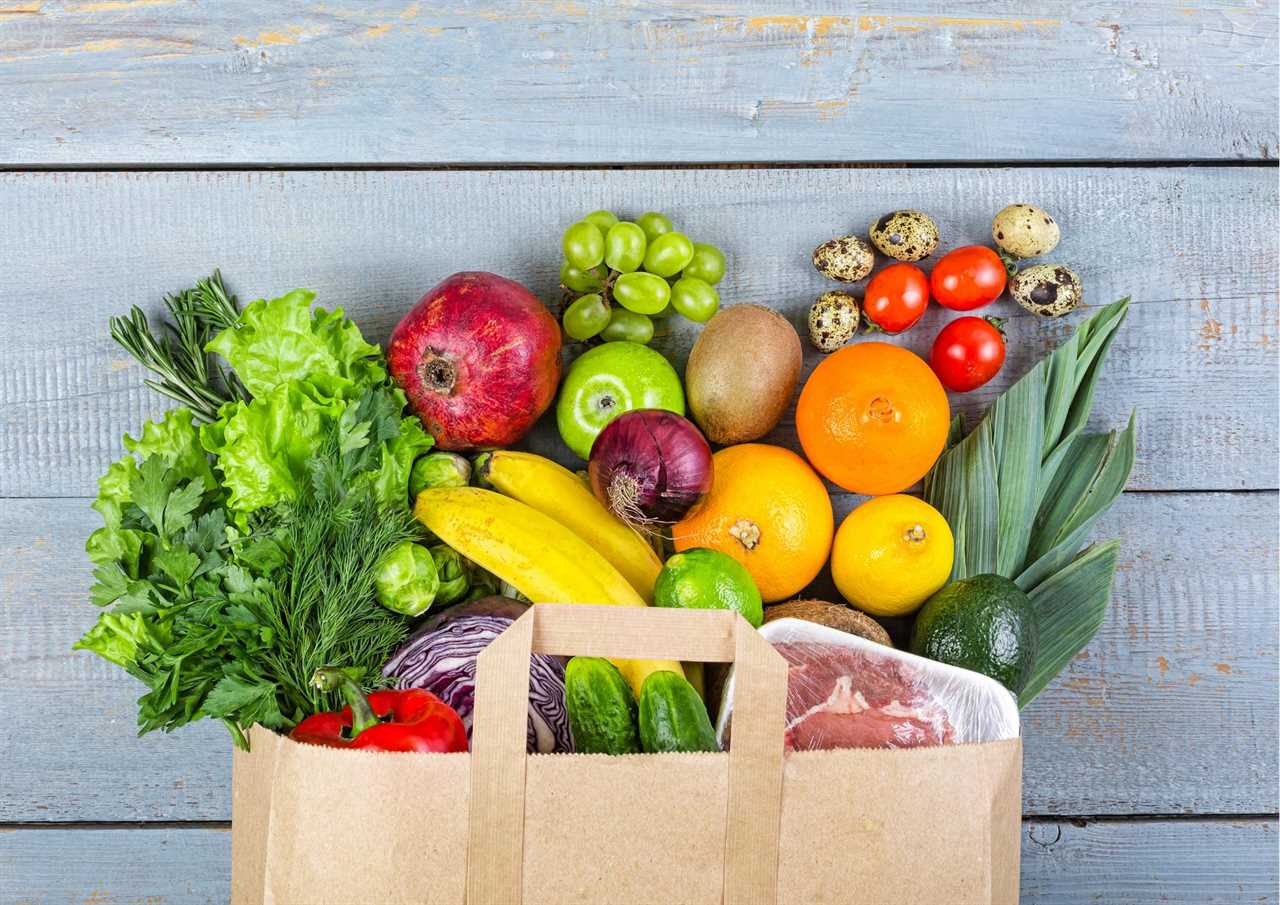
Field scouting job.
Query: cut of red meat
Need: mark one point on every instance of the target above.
(841, 697)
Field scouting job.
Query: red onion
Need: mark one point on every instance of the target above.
(650, 467)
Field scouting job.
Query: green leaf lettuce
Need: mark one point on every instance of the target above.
(280, 340)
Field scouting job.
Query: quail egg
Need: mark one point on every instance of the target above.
(905, 235)
(847, 259)
(1025, 231)
(833, 320)
(1049, 290)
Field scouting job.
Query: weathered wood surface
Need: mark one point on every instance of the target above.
(1172, 708)
(1184, 862)
(171, 82)
(1194, 247)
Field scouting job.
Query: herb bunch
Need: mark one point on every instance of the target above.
(239, 554)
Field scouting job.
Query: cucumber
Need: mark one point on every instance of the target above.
(602, 708)
(673, 717)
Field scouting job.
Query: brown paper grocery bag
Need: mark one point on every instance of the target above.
(317, 825)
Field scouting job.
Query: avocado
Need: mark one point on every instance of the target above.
(984, 623)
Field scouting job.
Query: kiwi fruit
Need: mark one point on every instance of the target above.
(742, 373)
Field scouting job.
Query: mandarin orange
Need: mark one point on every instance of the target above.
(769, 511)
(873, 418)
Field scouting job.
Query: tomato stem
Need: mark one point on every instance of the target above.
(1009, 261)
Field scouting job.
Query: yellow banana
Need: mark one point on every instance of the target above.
(542, 558)
(554, 490)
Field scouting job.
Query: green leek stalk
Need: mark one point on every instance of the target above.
(1023, 490)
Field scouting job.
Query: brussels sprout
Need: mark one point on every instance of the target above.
(407, 579)
(439, 469)
(452, 570)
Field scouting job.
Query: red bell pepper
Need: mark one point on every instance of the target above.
(409, 720)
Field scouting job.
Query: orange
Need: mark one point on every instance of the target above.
(769, 511)
(873, 418)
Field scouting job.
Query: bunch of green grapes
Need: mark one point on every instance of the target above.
(625, 274)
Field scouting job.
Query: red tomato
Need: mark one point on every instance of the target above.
(896, 297)
(968, 278)
(968, 352)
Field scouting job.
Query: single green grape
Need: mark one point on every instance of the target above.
(654, 224)
(707, 264)
(695, 299)
(577, 280)
(627, 326)
(641, 292)
(583, 245)
(586, 317)
(624, 247)
(668, 254)
(603, 220)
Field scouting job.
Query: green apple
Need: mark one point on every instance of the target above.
(611, 379)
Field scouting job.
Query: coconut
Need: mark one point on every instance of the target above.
(832, 615)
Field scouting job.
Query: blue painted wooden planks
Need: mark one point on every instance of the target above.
(1179, 862)
(402, 81)
(1194, 247)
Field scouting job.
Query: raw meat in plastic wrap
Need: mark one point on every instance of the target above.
(847, 692)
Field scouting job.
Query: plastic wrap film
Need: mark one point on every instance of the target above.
(846, 692)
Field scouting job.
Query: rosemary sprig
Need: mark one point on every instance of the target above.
(176, 353)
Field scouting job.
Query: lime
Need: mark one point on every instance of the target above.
(708, 580)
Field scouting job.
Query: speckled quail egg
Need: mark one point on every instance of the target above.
(905, 235)
(1025, 231)
(847, 259)
(1049, 290)
(833, 320)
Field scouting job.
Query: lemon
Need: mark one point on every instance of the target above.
(891, 553)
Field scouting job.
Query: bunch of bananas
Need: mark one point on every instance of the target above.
(543, 532)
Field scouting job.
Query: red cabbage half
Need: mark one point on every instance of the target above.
(442, 660)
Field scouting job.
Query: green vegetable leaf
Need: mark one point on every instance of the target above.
(178, 563)
(245, 702)
(122, 545)
(264, 446)
(1016, 446)
(1070, 606)
(391, 482)
(176, 441)
(119, 637)
(113, 490)
(167, 507)
(280, 340)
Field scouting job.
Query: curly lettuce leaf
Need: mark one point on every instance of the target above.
(121, 637)
(263, 446)
(176, 440)
(280, 340)
(122, 545)
(113, 490)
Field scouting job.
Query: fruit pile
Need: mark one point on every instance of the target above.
(679, 501)
(619, 275)
(750, 523)
(970, 350)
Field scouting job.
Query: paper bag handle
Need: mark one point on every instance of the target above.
(495, 851)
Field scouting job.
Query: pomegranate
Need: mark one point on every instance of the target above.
(479, 359)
